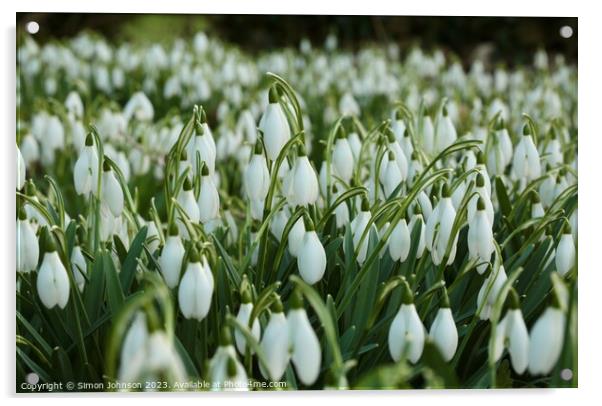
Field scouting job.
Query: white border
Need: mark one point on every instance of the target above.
(590, 92)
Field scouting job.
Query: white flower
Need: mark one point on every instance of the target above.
(512, 332)
(112, 194)
(428, 134)
(52, 282)
(27, 244)
(304, 182)
(208, 198)
(295, 237)
(480, 237)
(526, 163)
(406, 334)
(189, 205)
(444, 333)
(225, 371)
(348, 106)
(341, 212)
(439, 229)
(306, 353)
(202, 144)
(446, 132)
(274, 126)
(134, 342)
(196, 288)
(74, 104)
(400, 242)
(278, 224)
(489, 292)
(243, 316)
(78, 267)
(390, 176)
(546, 340)
(398, 155)
(30, 151)
(484, 195)
(358, 227)
(275, 344)
(85, 173)
(565, 252)
(139, 107)
(342, 157)
(553, 153)
(311, 257)
(257, 176)
(20, 169)
(171, 258)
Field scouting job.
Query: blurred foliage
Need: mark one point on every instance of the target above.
(508, 40)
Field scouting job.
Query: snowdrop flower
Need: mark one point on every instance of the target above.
(311, 257)
(553, 151)
(203, 145)
(444, 332)
(20, 169)
(400, 242)
(30, 151)
(398, 155)
(139, 160)
(278, 224)
(225, 371)
(406, 334)
(355, 144)
(546, 339)
(341, 212)
(172, 255)
(74, 104)
(257, 181)
(390, 176)
(196, 287)
(27, 244)
(446, 132)
(482, 169)
(417, 218)
(305, 347)
(85, 173)
(348, 106)
(512, 332)
(428, 134)
(139, 107)
(274, 126)
(112, 194)
(439, 229)
(480, 237)
(565, 252)
(482, 194)
(208, 197)
(52, 282)
(295, 237)
(189, 205)
(415, 168)
(304, 181)
(342, 157)
(134, 343)
(243, 316)
(51, 139)
(358, 227)
(536, 206)
(526, 163)
(154, 356)
(489, 291)
(275, 343)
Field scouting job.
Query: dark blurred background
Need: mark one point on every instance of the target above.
(509, 40)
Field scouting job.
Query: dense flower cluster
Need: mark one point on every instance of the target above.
(386, 199)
